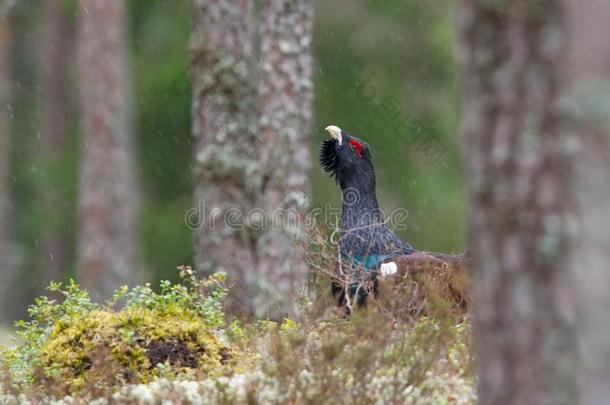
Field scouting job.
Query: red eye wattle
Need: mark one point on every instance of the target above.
(357, 146)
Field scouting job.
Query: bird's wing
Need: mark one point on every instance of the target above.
(443, 274)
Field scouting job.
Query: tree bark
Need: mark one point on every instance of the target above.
(56, 54)
(7, 273)
(519, 163)
(107, 256)
(588, 24)
(251, 128)
(227, 146)
(286, 94)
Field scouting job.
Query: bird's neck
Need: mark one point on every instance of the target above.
(360, 207)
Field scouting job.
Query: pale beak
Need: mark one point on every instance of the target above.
(335, 132)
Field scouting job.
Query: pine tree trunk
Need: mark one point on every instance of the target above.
(227, 147)
(56, 54)
(7, 274)
(251, 124)
(107, 256)
(519, 164)
(589, 72)
(286, 93)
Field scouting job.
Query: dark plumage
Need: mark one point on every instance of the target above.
(364, 238)
(363, 232)
(365, 241)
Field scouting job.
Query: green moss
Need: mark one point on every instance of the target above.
(367, 358)
(175, 345)
(76, 344)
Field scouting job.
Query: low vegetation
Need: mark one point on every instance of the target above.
(174, 344)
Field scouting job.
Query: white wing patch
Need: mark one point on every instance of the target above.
(387, 269)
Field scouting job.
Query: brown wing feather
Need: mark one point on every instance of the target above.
(425, 282)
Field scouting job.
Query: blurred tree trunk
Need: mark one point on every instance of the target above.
(520, 172)
(227, 147)
(251, 128)
(8, 276)
(588, 24)
(55, 60)
(108, 194)
(286, 94)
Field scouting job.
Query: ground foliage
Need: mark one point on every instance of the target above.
(74, 345)
(176, 344)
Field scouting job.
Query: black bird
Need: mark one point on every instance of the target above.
(367, 246)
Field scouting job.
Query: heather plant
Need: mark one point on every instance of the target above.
(176, 345)
(362, 360)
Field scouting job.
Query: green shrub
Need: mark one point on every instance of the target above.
(75, 344)
(175, 346)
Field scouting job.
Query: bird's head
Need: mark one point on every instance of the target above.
(347, 159)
